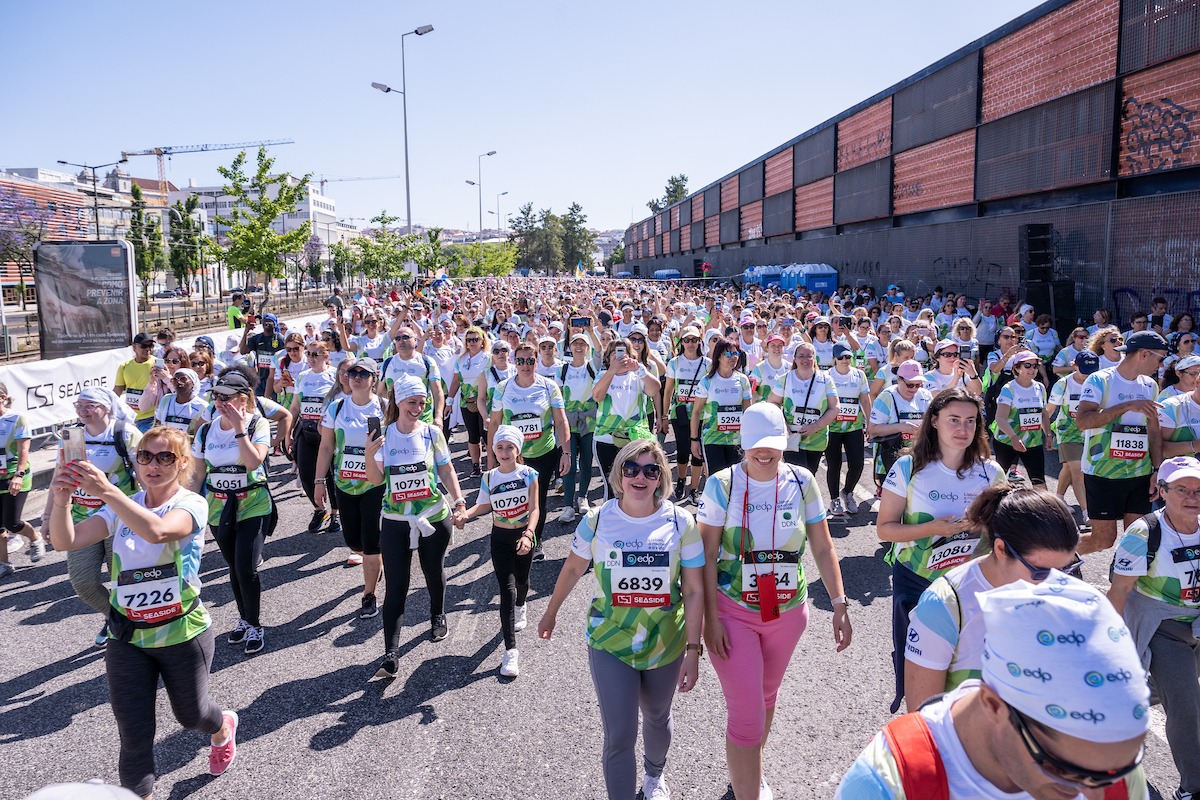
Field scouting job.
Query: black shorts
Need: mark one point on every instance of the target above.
(1113, 498)
(11, 508)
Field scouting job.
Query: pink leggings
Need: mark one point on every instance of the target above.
(758, 656)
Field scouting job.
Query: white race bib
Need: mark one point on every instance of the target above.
(729, 418)
(1129, 442)
(529, 424)
(641, 579)
(952, 551)
(312, 408)
(266, 360)
(150, 594)
(784, 563)
(231, 479)
(847, 409)
(1029, 419)
(132, 398)
(354, 464)
(409, 482)
(511, 500)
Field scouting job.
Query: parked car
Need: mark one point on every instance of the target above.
(166, 294)
(253, 288)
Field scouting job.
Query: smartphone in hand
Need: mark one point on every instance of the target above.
(73, 448)
(372, 428)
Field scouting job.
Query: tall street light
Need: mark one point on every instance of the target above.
(479, 185)
(95, 196)
(421, 31)
(499, 219)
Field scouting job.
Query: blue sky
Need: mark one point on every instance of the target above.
(548, 85)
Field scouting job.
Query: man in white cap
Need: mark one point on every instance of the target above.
(1061, 712)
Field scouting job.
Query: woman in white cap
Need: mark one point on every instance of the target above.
(624, 392)
(846, 431)
(682, 376)
(1017, 429)
(770, 369)
(809, 402)
(644, 623)
(510, 493)
(721, 397)
(468, 368)
(16, 480)
(952, 368)
(409, 459)
(925, 496)
(496, 372)
(1028, 532)
(756, 519)
(346, 425)
(575, 380)
(110, 441)
(649, 359)
(1156, 586)
(1061, 710)
(233, 452)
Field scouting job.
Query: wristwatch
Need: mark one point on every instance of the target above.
(698, 647)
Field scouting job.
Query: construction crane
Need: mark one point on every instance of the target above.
(193, 148)
(325, 180)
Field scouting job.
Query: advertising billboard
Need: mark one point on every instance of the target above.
(85, 296)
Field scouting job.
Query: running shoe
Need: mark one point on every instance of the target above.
(678, 489)
(476, 471)
(438, 627)
(694, 497)
(318, 519)
(538, 553)
(369, 607)
(254, 640)
(849, 502)
(1015, 476)
(557, 488)
(521, 618)
(764, 791)
(510, 666)
(335, 524)
(655, 788)
(101, 640)
(568, 515)
(1180, 794)
(389, 667)
(221, 756)
(15, 543)
(37, 549)
(581, 505)
(6, 569)
(835, 508)
(355, 560)
(238, 634)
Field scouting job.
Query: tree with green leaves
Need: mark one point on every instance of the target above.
(578, 242)
(539, 240)
(145, 236)
(254, 246)
(183, 232)
(433, 255)
(616, 257)
(675, 191)
(343, 257)
(313, 262)
(482, 259)
(384, 251)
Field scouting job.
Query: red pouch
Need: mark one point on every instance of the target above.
(768, 597)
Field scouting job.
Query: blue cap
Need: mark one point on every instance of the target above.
(207, 342)
(1087, 361)
(271, 318)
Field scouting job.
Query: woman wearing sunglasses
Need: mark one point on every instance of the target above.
(534, 405)
(408, 460)
(575, 380)
(644, 623)
(160, 385)
(757, 519)
(498, 370)
(233, 449)
(809, 402)
(1064, 360)
(682, 376)
(1027, 533)
(1179, 347)
(104, 418)
(342, 453)
(288, 367)
(373, 342)
(623, 392)
(308, 409)
(1154, 586)
(1017, 428)
(925, 496)
(721, 397)
(1104, 343)
(159, 628)
(201, 362)
(1060, 432)
(464, 382)
(846, 432)
(333, 345)
(183, 407)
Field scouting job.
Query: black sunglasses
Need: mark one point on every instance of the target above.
(1040, 573)
(359, 373)
(166, 458)
(1064, 770)
(843, 358)
(630, 469)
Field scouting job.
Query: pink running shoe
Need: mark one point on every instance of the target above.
(220, 757)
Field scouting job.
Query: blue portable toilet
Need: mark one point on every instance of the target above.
(624, 274)
(770, 276)
(817, 278)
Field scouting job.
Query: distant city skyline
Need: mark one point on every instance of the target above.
(581, 106)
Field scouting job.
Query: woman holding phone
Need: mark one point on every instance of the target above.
(467, 368)
(346, 425)
(623, 391)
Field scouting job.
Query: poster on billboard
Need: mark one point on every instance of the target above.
(85, 296)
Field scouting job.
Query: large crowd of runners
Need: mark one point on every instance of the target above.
(707, 410)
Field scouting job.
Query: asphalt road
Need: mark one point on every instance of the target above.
(313, 725)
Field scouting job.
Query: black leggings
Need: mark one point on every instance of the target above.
(721, 456)
(545, 466)
(360, 519)
(682, 428)
(133, 674)
(242, 545)
(606, 454)
(474, 422)
(809, 459)
(854, 444)
(11, 508)
(512, 573)
(306, 468)
(1034, 460)
(397, 573)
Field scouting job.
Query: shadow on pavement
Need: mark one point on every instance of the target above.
(866, 578)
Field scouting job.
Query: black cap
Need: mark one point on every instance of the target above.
(143, 338)
(1088, 362)
(230, 384)
(1143, 340)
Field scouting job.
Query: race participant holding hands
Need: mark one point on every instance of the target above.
(759, 512)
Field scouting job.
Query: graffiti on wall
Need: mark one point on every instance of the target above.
(974, 276)
(1158, 132)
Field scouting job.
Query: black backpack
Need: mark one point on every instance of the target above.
(202, 434)
(993, 393)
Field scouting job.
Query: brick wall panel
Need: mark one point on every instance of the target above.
(666, 243)
(1160, 118)
(675, 217)
(751, 221)
(685, 238)
(1067, 50)
(778, 176)
(866, 136)
(697, 207)
(712, 231)
(729, 194)
(814, 205)
(936, 175)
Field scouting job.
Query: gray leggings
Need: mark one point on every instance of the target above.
(85, 569)
(1173, 665)
(622, 690)
(133, 674)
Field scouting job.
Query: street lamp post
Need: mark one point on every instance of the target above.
(499, 219)
(421, 31)
(479, 186)
(95, 191)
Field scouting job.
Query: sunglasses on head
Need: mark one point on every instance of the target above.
(165, 458)
(631, 469)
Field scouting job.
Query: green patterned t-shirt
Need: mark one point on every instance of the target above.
(1120, 449)
(1173, 575)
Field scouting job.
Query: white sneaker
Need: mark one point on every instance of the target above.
(37, 549)
(568, 515)
(835, 508)
(510, 666)
(581, 505)
(655, 789)
(849, 501)
(15, 544)
(764, 791)
(522, 619)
